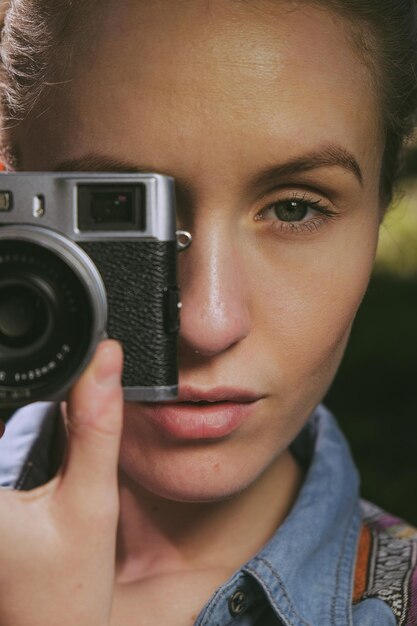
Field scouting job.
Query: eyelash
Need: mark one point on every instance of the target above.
(305, 201)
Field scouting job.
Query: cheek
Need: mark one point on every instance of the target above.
(308, 298)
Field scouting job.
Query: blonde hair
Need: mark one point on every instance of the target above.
(36, 46)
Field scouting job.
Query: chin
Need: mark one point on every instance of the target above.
(204, 478)
(193, 494)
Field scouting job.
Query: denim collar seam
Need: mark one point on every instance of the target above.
(346, 563)
(288, 613)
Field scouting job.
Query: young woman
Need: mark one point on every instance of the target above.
(281, 122)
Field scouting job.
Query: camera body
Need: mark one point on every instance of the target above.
(84, 256)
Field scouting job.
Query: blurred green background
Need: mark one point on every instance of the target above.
(374, 395)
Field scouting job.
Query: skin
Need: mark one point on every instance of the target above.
(230, 90)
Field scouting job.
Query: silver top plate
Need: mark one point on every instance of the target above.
(55, 196)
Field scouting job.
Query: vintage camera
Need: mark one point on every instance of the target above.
(84, 256)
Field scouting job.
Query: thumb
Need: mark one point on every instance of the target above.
(94, 424)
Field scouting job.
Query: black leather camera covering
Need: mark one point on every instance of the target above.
(136, 275)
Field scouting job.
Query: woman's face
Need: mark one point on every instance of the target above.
(266, 117)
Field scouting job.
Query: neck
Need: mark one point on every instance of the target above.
(157, 536)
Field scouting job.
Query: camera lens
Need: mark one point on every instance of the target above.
(24, 315)
(51, 314)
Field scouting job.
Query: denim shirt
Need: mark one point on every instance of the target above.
(309, 571)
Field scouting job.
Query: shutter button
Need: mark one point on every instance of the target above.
(237, 602)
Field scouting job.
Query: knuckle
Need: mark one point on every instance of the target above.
(85, 423)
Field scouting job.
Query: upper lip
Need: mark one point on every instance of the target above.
(217, 394)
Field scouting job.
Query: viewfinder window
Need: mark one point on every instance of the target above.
(111, 207)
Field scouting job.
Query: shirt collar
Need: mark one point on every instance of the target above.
(307, 568)
(305, 572)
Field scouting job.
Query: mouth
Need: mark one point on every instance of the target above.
(197, 402)
(217, 394)
(202, 414)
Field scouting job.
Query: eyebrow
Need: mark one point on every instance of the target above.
(329, 155)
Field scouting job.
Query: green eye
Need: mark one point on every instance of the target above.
(291, 210)
(296, 214)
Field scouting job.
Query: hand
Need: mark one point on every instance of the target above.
(58, 542)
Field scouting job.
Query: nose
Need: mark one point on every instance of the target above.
(215, 313)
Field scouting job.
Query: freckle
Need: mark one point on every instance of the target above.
(155, 507)
(216, 466)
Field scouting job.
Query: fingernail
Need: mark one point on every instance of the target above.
(106, 371)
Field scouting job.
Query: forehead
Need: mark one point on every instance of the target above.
(221, 50)
(224, 71)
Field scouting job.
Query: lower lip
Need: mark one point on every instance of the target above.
(193, 421)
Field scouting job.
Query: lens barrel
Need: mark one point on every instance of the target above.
(52, 313)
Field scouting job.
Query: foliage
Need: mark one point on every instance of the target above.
(397, 252)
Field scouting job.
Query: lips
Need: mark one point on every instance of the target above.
(202, 414)
(217, 394)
